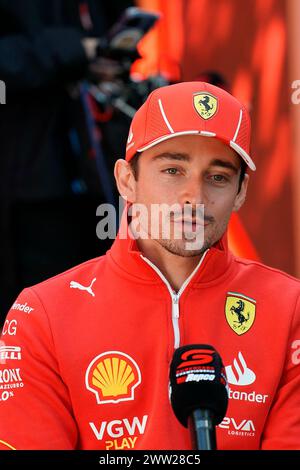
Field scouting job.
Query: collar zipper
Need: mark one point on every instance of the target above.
(175, 319)
(175, 296)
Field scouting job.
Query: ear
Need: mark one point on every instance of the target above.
(241, 196)
(125, 180)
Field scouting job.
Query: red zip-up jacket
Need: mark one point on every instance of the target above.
(85, 356)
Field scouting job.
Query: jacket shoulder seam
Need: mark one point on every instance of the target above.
(247, 262)
(32, 290)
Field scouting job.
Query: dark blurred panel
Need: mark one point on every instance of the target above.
(50, 181)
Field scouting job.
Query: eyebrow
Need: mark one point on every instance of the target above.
(184, 157)
(224, 164)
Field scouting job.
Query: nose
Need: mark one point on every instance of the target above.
(193, 192)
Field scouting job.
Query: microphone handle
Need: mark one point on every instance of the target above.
(203, 431)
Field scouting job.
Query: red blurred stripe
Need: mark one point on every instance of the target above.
(239, 241)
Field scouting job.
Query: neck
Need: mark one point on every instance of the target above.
(176, 269)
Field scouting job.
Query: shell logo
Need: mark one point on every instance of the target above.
(112, 377)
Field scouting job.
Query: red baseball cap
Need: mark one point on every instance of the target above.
(190, 108)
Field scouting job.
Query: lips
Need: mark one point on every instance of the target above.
(190, 222)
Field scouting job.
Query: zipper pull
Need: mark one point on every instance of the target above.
(175, 306)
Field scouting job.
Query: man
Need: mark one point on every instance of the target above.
(86, 354)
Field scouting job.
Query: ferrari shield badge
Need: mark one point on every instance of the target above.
(205, 104)
(240, 312)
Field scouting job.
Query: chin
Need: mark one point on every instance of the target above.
(179, 248)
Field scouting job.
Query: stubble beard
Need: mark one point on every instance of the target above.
(179, 247)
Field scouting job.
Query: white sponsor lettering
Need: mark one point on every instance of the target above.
(11, 385)
(2, 343)
(243, 396)
(9, 378)
(10, 327)
(199, 377)
(117, 428)
(10, 375)
(4, 396)
(10, 352)
(239, 373)
(245, 427)
(296, 353)
(76, 285)
(22, 307)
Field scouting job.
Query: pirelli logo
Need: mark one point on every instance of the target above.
(10, 352)
(2, 92)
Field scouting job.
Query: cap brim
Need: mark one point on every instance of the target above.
(232, 144)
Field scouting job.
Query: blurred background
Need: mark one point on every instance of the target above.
(75, 71)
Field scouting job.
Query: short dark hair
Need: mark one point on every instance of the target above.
(243, 172)
(134, 164)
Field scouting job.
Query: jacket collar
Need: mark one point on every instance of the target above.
(127, 256)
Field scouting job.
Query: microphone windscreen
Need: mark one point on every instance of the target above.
(198, 381)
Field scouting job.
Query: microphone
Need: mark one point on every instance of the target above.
(199, 392)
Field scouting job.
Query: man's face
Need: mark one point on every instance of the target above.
(189, 171)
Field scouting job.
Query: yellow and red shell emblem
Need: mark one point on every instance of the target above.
(112, 377)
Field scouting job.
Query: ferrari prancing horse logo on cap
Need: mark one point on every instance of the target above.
(205, 104)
